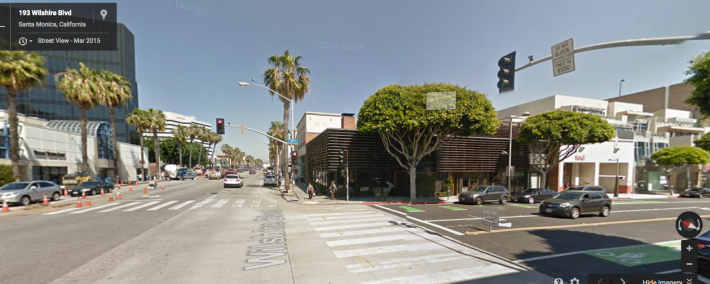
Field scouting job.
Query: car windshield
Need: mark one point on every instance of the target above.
(575, 188)
(232, 176)
(532, 190)
(15, 186)
(89, 183)
(270, 176)
(568, 196)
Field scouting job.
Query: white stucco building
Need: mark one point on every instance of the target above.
(174, 119)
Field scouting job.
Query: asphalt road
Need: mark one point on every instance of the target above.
(638, 236)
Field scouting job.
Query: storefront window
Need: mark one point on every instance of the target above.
(53, 174)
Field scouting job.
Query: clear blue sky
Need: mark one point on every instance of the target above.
(190, 63)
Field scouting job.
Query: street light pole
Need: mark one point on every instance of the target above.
(510, 152)
(622, 80)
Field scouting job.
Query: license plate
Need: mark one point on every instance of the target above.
(548, 210)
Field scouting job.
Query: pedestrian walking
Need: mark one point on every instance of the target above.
(310, 191)
(333, 188)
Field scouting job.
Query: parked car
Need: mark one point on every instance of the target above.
(698, 192)
(27, 192)
(533, 195)
(704, 253)
(586, 188)
(91, 188)
(233, 180)
(184, 174)
(485, 193)
(573, 203)
(270, 180)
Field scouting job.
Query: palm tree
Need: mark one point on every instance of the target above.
(276, 130)
(115, 91)
(156, 119)
(192, 132)
(227, 150)
(180, 137)
(215, 139)
(203, 135)
(19, 71)
(80, 88)
(139, 119)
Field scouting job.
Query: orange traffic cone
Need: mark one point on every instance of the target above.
(130, 188)
(66, 193)
(83, 194)
(145, 190)
(45, 201)
(110, 197)
(102, 192)
(118, 195)
(119, 186)
(78, 203)
(5, 208)
(88, 202)
(162, 187)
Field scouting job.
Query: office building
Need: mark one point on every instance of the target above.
(173, 120)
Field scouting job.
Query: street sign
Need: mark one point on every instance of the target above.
(292, 141)
(242, 129)
(563, 57)
(490, 217)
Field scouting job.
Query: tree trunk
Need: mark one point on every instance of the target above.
(214, 149)
(190, 147)
(14, 135)
(669, 182)
(84, 150)
(142, 156)
(199, 159)
(156, 144)
(180, 152)
(115, 143)
(287, 174)
(412, 182)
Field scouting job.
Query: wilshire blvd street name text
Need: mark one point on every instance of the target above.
(272, 247)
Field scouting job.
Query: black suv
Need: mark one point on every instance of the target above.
(573, 203)
(485, 193)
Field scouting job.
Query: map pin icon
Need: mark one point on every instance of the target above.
(103, 14)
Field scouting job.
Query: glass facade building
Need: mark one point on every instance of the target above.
(49, 103)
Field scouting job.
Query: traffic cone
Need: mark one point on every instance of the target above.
(78, 203)
(102, 192)
(119, 186)
(130, 188)
(83, 194)
(110, 197)
(162, 187)
(45, 201)
(145, 190)
(88, 202)
(66, 193)
(118, 195)
(5, 208)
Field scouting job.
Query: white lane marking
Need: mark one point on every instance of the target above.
(272, 202)
(425, 222)
(142, 206)
(362, 232)
(202, 203)
(162, 205)
(94, 208)
(536, 216)
(331, 214)
(239, 203)
(450, 276)
(357, 241)
(119, 207)
(62, 211)
(407, 261)
(353, 226)
(387, 249)
(350, 221)
(181, 205)
(586, 251)
(344, 217)
(706, 209)
(256, 203)
(220, 203)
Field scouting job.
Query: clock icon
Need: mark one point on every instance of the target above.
(23, 41)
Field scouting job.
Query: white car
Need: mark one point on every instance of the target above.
(233, 180)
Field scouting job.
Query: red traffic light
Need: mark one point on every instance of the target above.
(219, 121)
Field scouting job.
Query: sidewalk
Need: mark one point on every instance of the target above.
(300, 190)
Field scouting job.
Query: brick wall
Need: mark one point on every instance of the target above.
(348, 122)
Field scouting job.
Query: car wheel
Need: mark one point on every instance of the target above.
(25, 200)
(605, 211)
(504, 200)
(531, 200)
(479, 201)
(542, 212)
(575, 213)
(55, 196)
(93, 192)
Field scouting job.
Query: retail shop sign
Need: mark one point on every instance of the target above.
(580, 157)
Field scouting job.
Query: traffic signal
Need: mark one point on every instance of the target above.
(506, 74)
(341, 157)
(220, 126)
(294, 156)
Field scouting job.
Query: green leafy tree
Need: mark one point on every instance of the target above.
(139, 119)
(215, 139)
(276, 130)
(288, 77)
(180, 138)
(6, 174)
(554, 136)
(114, 92)
(170, 151)
(699, 73)
(704, 142)
(409, 131)
(19, 72)
(677, 159)
(156, 123)
(192, 132)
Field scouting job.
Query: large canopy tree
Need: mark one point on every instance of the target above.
(410, 132)
(114, 92)
(139, 119)
(699, 72)
(19, 71)
(677, 159)
(288, 77)
(554, 136)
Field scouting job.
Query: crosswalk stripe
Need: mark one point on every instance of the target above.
(272, 202)
(357, 241)
(406, 261)
(141, 206)
(450, 276)
(387, 249)
(61, 211)
(332, 214)
(202, 203)
(94, 208)
(239, 203)
(350, 221)
(162, 205)
(256, 203)
(344, 217)
(119, 207)
(362, 232)
(181, 205)
(353, 226)
(220, 203)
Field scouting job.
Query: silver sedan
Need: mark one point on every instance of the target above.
(28, 191)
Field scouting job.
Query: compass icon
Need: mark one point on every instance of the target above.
(689, 224)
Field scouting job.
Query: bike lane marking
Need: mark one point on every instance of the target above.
(452, 208)
(640, 255)
(411, 209)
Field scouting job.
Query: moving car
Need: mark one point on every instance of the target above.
(586, 188)
(184, 174)
(573, 203)
(233, 180)
(485, 193)
(533, 195)
(270, 180)
(252, 172)
(91, 188)
(27, 192)
(704, 253)
(698, 192)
